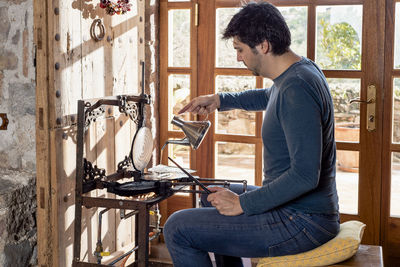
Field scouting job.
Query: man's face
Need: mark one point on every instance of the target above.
(249, 56)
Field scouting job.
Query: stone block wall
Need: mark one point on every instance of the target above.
(18, 244)
(17, 143)
(17, 85)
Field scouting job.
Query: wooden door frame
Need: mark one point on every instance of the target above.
(205, 72)
(373, 57)
(389, 238)
(45, 233)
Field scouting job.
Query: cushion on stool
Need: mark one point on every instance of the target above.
(338, 249)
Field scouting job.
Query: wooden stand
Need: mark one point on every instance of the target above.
(367, 255)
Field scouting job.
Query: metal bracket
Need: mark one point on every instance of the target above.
(93, 115)
(125, 163)
(92, 172)
(129, 109)
(3, 121)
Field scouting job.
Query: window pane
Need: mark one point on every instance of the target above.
(347, 116)
(396, 111)
(225, 54)
(235, 121)
(296, 18)
(339, 33)
(179, 38)
(395, 186)
(180, 154)
(235, 161)
(397, 38)
(178, 97)
(267, 83)
(347, 181)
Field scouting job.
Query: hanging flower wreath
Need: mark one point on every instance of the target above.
(120, 7)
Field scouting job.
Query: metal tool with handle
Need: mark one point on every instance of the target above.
(191, 177)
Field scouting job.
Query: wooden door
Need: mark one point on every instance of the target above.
(390, 219)
(72, 65)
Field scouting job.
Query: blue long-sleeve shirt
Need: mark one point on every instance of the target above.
(298, 138)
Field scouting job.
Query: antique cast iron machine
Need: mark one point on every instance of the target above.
(159, 185)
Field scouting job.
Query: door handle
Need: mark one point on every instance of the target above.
(371, 95)
(358, 100)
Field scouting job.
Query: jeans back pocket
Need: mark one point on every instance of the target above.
(301, 242)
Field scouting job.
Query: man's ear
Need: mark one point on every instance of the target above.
(265, 47)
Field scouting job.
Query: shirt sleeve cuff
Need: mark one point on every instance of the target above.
(246, 204)
(225, 101)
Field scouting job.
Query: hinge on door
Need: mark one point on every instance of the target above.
(196, 14)
(34, 57)
(3, 121)
(39, 38)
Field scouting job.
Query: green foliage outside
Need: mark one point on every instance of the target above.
(340, 46)
(296, 18)
(396, 88)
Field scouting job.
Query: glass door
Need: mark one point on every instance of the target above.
(344, 39)
(356, 43)
(178, 83)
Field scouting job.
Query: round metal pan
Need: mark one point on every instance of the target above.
(133, 188)
(142, 148)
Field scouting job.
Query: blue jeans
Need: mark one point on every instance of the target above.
(190, 234)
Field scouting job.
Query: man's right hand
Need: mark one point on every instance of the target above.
(202, 105)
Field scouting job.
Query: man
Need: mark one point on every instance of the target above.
(296, 209)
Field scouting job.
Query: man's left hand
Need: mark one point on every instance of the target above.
(225, 201)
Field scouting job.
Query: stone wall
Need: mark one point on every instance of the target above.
(17, 219)
(17, 143)
(17, 85)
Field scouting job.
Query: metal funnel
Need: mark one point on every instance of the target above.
(195, 131)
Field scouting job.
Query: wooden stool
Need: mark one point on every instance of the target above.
(367, 255)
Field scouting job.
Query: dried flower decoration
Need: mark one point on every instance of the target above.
(120, 7)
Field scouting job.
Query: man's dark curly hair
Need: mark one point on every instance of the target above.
(257, 22)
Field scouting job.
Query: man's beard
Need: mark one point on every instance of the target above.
(255, 73)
